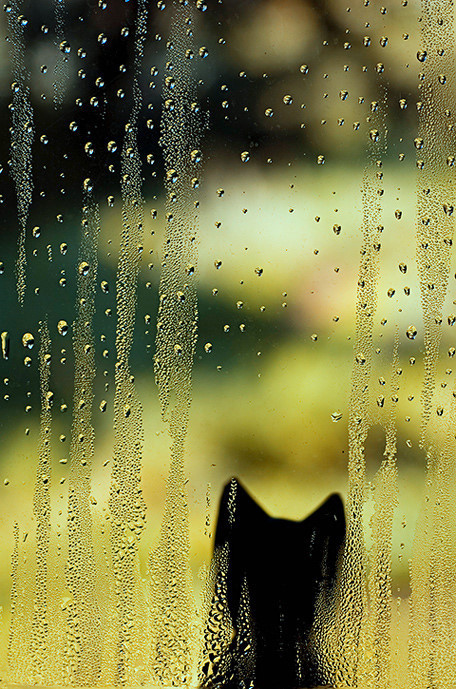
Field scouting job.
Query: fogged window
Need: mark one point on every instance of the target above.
(226, 251)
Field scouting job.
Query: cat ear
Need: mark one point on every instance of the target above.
(238, 515)
(241, 526)
(326, 528)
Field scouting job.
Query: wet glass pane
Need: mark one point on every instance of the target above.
(226, 269)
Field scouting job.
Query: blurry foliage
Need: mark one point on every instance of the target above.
(264, 394)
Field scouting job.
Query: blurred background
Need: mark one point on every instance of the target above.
(297, 87)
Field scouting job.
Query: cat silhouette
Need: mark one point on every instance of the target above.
(269, 576)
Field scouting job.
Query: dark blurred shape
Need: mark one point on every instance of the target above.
(269, 575)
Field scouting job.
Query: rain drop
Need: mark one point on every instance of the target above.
(62, 327)
(28, 340)
(411, 332)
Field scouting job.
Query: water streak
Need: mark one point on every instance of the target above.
(22, 135)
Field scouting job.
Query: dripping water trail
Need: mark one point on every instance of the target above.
(61, 72)
(126, 501)
(433, 596)
(435, 185)
(175, 347)
(42, 514)
(84, 660)
(22, 134)
(353, 596)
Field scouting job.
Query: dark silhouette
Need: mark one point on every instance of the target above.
(270, 575)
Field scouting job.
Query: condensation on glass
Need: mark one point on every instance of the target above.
(226, 250)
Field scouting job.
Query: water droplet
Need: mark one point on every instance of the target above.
(65, 47)
(287, 99)
(83, 268)
(421, 55)
(208, 347)
(245, 156)
(336, 416)
(171, 176)
(411, 332)
(28, 340)
(5, 340)
(62, 327)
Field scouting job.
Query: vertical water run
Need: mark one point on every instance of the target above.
(436, 187)
(126, 503)
(353, 596)
(42, 514)
(22, 134)
(61, 65)
(83, 651)
(31, 616)
(175, 347)
(433, 599)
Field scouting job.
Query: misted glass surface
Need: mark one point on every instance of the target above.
(226, 251)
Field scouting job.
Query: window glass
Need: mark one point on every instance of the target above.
(226, 251)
